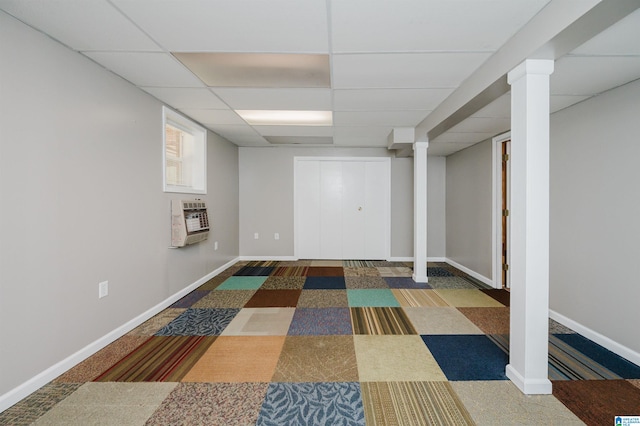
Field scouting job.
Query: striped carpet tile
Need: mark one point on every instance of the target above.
(159, 359)
(418, 297)
(290, 271)
(263, 263)
(565, 362)
(381, 321)
(413, 403)
(358, 263)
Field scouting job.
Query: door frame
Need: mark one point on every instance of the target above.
(496, 210)
(296, 220)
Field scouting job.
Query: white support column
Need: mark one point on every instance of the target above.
(528, 347)
(420, 211)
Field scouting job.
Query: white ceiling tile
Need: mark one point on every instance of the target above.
(453, 137)
(427, 25)
(378, 118)
(500, 108)
(187, 97)
(233, 130)
(250, 141)
(214, 116)
(361, 136)
(590, 75)
(621, 38)
(300, 140)
(147, 69)
(232, 25)
(294, 130)
(275, 99)
(388, 99)
(482, 125)
(81, 24)
(444, 149)
(404, 70)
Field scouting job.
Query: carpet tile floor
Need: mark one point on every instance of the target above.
(327, 342)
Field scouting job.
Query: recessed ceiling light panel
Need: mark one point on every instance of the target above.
(286, 118)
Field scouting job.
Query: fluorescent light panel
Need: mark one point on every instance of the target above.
(286, 118)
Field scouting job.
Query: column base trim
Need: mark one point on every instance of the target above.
(420, 278)
(529, 386)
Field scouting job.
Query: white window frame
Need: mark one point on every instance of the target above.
(198, 162)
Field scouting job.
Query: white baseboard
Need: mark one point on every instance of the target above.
(410, 259)
(474, 274)
(613, 346)
(27, 388)
(268, 258)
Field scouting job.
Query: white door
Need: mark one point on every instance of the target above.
(342, 208)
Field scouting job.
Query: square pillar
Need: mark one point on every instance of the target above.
(529, 335)
(420, 211)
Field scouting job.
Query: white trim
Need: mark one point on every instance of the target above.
(466, 270)
(528, 386)
(496, 207)
(27, 388)
(411, 259)
(613, 346)
(268, 258)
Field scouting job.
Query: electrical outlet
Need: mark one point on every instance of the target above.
(256, 236)
(103, 289)
(215, 245)
(276, 236)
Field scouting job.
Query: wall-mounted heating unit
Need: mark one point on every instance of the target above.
(189, 222)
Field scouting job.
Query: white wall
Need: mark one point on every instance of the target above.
(595, 211)
(82, 202)
(266, 199)
(468, 212)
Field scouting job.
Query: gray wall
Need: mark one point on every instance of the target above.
(266, 199)
(82, 202)
(594, 209)
(468, 211)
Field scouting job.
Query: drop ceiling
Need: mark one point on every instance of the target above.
(376, 65)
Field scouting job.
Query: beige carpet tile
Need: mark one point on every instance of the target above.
(102, 360)
(365, 282)
(323, 299)
(440, 320)
(326, 263)
(229, 404)
(224, 299)
(37, 404)
(418, 298)
(361, 272)
(412, 403)
(284, 283)
(395, 271)
(238, 359)
(260, 322)
(500, 402)
(108, 404)
(556, 328)
(489, 320)
(152, 325)
(214, 282)
(317, 359)
(395, 359)
(468, 298)
(450, 282)
(380, 321)
(635, 382)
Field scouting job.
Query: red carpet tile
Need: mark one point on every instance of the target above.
(274, 299)
(325, 271)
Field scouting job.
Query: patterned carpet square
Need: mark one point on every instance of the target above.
(395, 359)
(365, 282)
(418, 298)
(290, 271)
(155, 323)
(489, 320)
(468, 357)
(211, 404)
(199, 322)
(413, 403)
(597, 402)
(358, 264)
(317, 359)
(238, 359)
(159, 359)
(284, 283)
(452, 282)
(325, 271)
(395, 271)
(312, 404)
(440, 320)
(361, 272)
(438, 272)
(274, 299)
(254, 271)
(381, 321)
(372, 297)
(224, 299)
(324, 283)
(323, 299)
(320, 321)
(242, 283)
(405, 282)
(189, 299)
(260, 322)
(37, 404)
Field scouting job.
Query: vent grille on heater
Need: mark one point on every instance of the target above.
(189, 222)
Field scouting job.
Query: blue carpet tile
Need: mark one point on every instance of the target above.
(467, 357)
(199, 322)
(324, 283)
(190, 299)
(405, 282)
(331, 403)
(242, 283)
(438, 272)
(372, 297)
(254, 271)
(320, 321)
